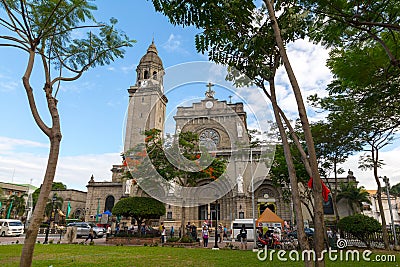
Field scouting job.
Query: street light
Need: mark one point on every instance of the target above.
(46, 239)
(216, 226)
(386, 180)
(252, 199)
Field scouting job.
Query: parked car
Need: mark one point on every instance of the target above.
(9, 227)
(308, 231)
(84, 227)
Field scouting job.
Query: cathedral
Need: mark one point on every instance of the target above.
(244, 191)
(221, 127)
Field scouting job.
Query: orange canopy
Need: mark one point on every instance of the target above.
(269, 217)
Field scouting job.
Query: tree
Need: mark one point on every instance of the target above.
(335, 141)
(17, 205)
(181, 162)
(394, 190)
(352, 102)
(364, 95)
(54, 186)
(359, 225)
(44, 31)
(139, 208)
(356, 23)
(50, 206)
(280, 176)
(354, 195)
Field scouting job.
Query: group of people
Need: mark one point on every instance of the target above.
(222, 232)
(191, 230)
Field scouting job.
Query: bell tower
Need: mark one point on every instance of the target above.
(147, 102)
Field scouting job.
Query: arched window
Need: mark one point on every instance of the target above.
(78, 214)
(110, 200)
(146, 74)
(155, 75)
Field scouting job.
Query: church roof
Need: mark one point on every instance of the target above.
(151, 56)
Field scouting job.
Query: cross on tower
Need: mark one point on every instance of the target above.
(210, 93)
(230, 99)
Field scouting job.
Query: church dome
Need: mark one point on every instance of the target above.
(151, 56)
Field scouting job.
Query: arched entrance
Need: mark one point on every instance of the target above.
(110, 200)
(269, 196)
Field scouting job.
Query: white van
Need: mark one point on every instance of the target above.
(10, 227)
(237, 225)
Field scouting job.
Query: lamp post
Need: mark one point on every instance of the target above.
(216, 226)
(386, 180)
(46, 239)
(252, 199)
(98, 210)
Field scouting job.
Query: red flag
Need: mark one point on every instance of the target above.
(325, 189)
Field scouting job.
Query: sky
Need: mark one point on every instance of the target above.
(93, 108)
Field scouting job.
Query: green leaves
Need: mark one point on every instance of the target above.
(49, 29)
(354, 195)
(182, 161)
(139, 208)
(360, 226)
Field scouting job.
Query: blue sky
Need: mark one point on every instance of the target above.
(92, 109)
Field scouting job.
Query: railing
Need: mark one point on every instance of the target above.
(374, 239)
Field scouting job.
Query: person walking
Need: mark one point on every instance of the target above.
(163, 232)
(172, 231)
(90, 236)
(243, 237)
(221, 233)
(225, 232)
(108, 231)
(204, 234)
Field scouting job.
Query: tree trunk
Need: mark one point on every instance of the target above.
(334, 194)
(183, 219)
(317, 187)
(54, 135)
(33, 229)
(295, 138)
(379, 197)
(292, 175)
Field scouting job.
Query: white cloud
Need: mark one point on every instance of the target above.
(309, 65)
(174, 44)
(391, 169)
(9, 144)
(8, 86)
(128, 69)
(74, 171)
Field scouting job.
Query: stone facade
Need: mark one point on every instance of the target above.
(76, 199)
(101, 196)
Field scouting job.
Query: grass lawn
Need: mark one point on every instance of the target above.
(85, 255)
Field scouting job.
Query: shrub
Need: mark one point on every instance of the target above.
(173, 239)
(186, 239)
(360, 225)
(124, 234)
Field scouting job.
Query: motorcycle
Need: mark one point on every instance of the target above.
(269, 242)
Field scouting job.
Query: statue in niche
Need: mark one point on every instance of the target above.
(239, 181)
(128, 184)
(239, 130)
(178, 130)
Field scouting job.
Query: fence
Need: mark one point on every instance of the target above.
(375, 239)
